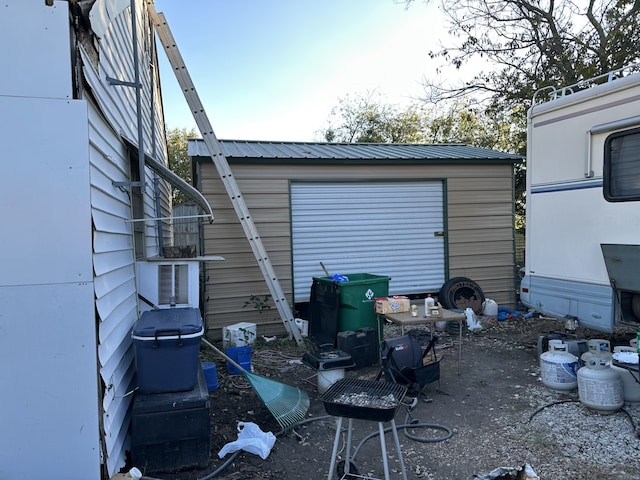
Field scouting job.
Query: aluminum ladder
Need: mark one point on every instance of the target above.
(224, 170)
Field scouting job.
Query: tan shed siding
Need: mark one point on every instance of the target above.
(481, 231)
(230, 283)
(479, 217)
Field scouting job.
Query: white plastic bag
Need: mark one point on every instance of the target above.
(472, 321)
(250, 439)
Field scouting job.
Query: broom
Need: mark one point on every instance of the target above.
(287, 404)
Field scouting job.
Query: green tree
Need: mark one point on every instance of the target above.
(469, 123)
(179, 161)
(527, 45)
(530, 44)
(364, 119)
(367, 119)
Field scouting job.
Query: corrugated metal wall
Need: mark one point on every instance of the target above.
(112, 112)
(479, 203)
(376, 227)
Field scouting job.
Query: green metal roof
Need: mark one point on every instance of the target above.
(379, 152)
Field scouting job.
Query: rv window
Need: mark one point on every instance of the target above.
(621, 175)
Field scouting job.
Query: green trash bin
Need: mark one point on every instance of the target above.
(357, 299)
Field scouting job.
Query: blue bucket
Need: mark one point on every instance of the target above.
(242, 356)
(210, 375)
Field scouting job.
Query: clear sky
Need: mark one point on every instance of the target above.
(273, 70)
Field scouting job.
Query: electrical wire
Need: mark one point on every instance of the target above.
(405, 427)
(559, 402)
(636, 429)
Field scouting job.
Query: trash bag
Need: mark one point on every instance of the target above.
(250, 439)
(472, 321)
(339, 278)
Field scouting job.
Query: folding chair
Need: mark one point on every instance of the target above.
(403, 362)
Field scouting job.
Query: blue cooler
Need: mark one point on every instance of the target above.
(167, 345)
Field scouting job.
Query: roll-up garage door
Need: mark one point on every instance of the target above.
(395, 229)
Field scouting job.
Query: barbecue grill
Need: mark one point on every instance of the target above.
(364, 400)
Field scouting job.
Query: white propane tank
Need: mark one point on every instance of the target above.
(558, 368)
(630, 380)
(599, 387)
(596, 346)
(555, 341)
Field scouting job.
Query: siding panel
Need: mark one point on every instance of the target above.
(112, 113)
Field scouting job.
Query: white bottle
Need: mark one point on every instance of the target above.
(428, 302)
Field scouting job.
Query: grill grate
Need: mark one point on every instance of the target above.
(363, 399)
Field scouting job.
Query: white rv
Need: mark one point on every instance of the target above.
(583, 189)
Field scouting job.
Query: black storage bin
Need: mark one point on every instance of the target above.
(324, 305)
(171, 431)
(362, 345)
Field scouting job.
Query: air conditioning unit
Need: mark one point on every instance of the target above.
(168, 283)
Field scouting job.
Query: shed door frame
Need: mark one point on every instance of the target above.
(391, 227)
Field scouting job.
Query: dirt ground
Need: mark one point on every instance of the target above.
(492, 410)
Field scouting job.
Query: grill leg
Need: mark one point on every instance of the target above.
(347, 463)
(397, 440)
(383, 446)
(336, 443)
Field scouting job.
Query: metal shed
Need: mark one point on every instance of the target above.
(420, 214)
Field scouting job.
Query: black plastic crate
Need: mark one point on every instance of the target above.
(171, 431)
(362, 345)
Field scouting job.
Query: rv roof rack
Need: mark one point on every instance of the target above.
(553, 93)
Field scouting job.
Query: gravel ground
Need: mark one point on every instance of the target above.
(498, 411)
(528, 423)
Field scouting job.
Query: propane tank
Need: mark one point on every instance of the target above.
(551, 343)
(600, 387)
(630, 382)
(558, 368)
(596, 346)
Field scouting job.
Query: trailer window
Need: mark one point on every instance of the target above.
(621, 175)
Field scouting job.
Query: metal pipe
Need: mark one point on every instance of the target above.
(138, 87)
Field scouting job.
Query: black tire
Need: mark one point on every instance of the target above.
(460, 293)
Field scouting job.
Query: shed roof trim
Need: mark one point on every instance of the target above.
(349, 151)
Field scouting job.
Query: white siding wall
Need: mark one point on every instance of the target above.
(112, 114)
(49, 415)
(115, 286)
(70, 250)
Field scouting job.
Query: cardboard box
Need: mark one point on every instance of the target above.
(435, 311)
(241, 334)
(396, 304)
